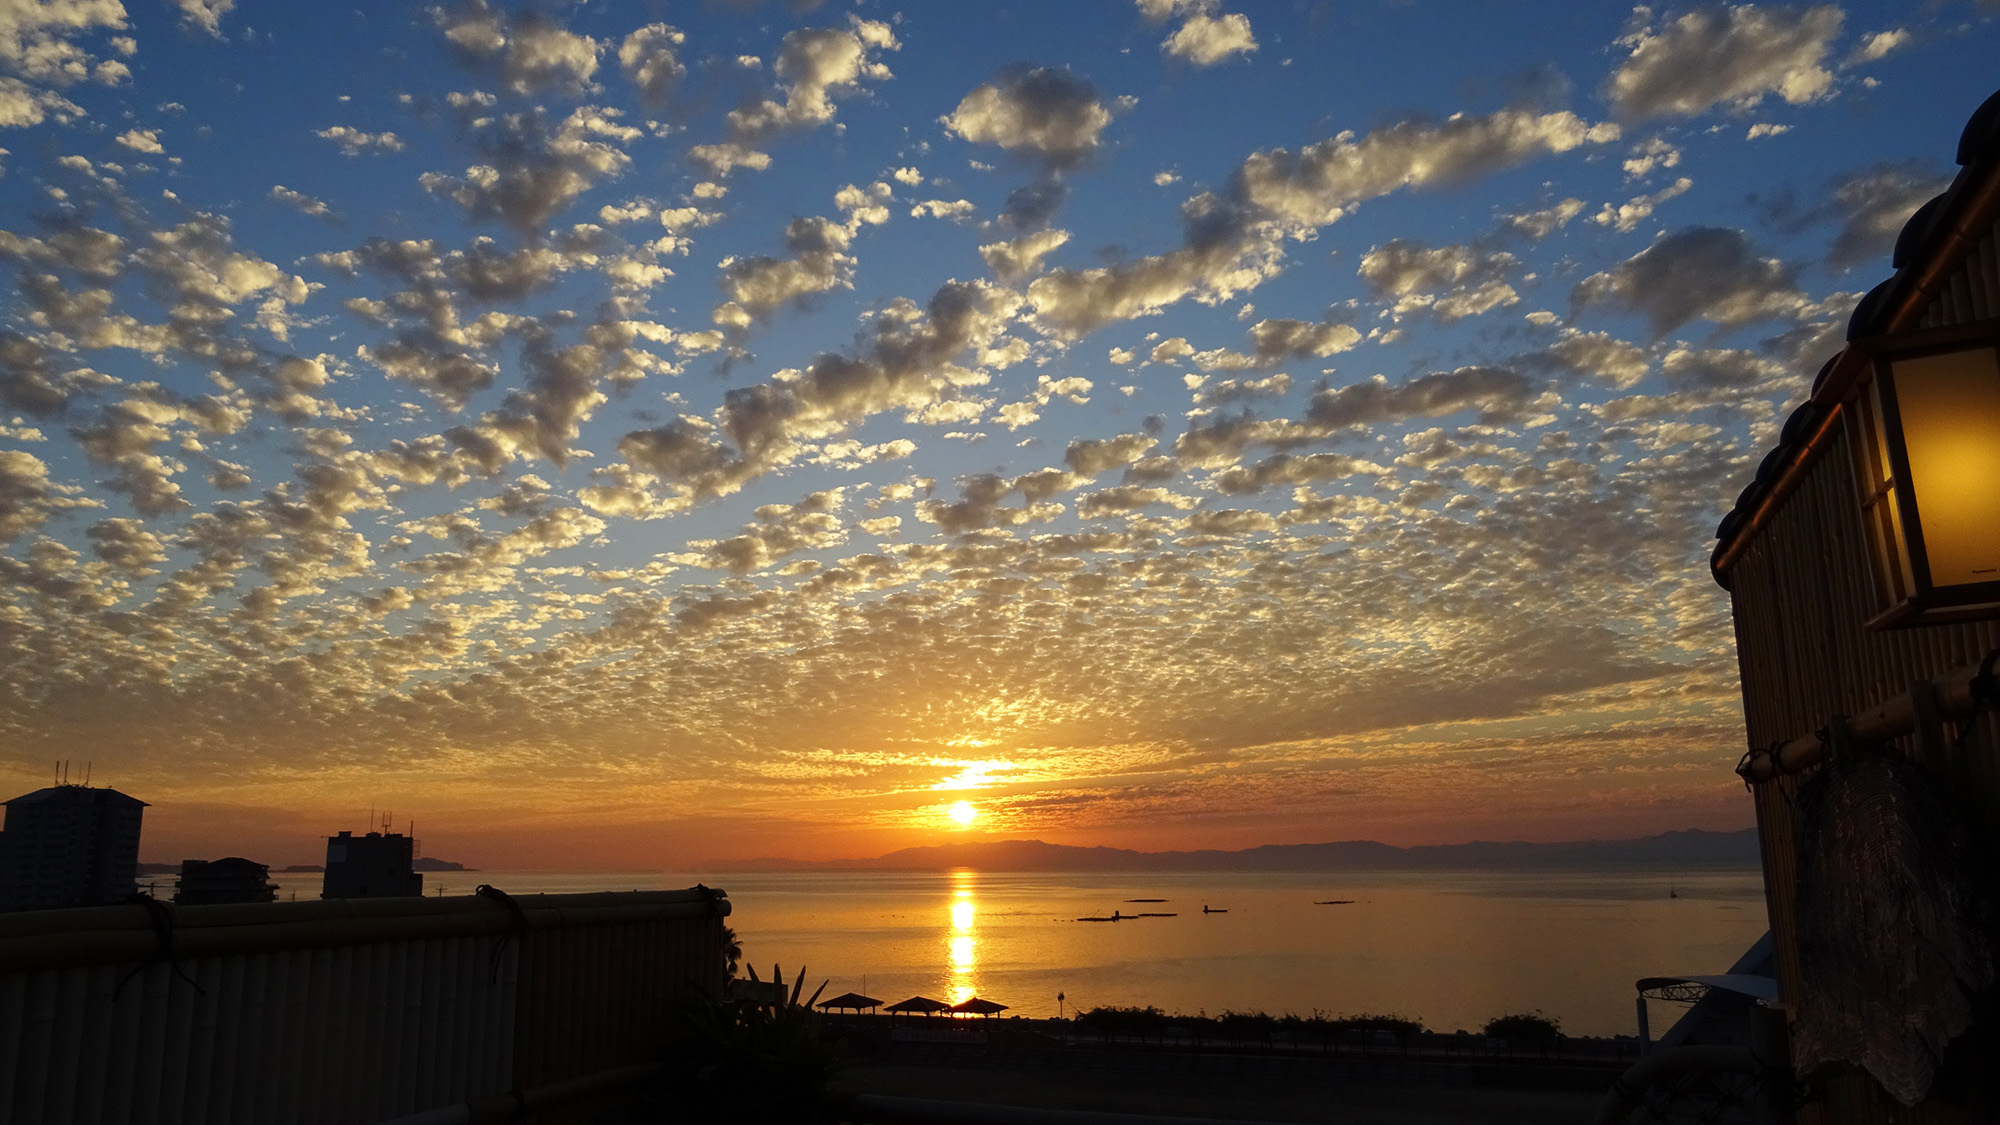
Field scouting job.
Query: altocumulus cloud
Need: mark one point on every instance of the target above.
(580, 410)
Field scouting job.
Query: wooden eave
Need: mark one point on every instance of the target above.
(1933, 245)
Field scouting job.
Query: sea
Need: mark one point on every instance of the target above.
(1452, 949)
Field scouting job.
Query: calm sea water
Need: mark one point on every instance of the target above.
(1453, 949)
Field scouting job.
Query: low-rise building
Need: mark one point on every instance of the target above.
(230, 879)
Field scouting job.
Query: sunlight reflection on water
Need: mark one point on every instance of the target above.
(962, 957)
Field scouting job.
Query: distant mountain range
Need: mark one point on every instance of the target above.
(1687, 849)
(423, 863)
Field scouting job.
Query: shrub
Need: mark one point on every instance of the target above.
(1524, 1025)
(1246, 1025)
(759, 1061)
(1397, 1025)
(1124, 1021)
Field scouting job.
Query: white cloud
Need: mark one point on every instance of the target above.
(1021, 257)
(648, 60)
(1546, 221)
(1453, 282)
(943, 209)
(781, 530)
(1045, 111)
(530, 52)
(1598, 355)
(1235, 244)
(22, 105)
(205, 15)
(36, 39)
(1629, 214)
(354, 142)
(1649, 155)
(1318, 184)
(28, 497)
(1281, 340)
(301, 202)
(869, 205)
(757, 286)
(724, 158)
(815, 67)
(537, 170)
(1875, 46)
(141, 140)
(1497, 393)
(1092, 456)
(1707, 272)
(1871, 205)
(1734, 57)
(1206, 39)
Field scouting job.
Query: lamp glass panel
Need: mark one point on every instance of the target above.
(1881, 506)
(1950, 407)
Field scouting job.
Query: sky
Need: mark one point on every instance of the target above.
(640, 434)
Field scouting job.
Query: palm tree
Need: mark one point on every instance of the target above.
(732, 952)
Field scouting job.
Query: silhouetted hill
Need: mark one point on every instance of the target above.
(425, 863)
(1685, 849)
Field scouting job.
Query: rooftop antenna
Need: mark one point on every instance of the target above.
(86, 774)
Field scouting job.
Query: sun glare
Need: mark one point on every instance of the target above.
(963, 813)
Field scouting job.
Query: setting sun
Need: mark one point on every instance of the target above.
(963, 813)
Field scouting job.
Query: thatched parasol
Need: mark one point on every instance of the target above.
(978, 1007)
(852, 1000)
(919, 1003)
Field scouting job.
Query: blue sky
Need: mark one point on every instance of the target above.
(682, 431)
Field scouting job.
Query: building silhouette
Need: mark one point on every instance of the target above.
(69, 845)
(378, 865)
(230, 879)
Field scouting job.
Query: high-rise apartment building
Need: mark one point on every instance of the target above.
(69, 845)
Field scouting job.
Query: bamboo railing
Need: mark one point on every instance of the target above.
(342, 1011)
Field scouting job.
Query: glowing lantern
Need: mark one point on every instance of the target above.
(1926, 436)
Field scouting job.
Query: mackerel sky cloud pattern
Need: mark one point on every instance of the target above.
(709, 431)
